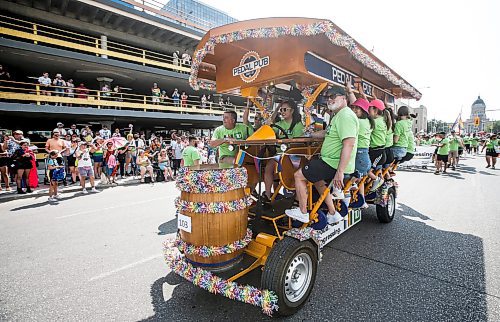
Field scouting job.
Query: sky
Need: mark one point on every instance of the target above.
(448, 50)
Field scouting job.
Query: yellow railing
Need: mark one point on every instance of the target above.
(42, 34)
(35, 93)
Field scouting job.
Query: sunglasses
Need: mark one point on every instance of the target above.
(284, 109)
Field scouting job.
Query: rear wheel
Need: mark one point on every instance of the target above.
(386, 214)
(290, 271)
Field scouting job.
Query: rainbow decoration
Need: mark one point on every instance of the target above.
(208, 251)
(211, 181)
(215, 207)
(206, 280)
(323, 27)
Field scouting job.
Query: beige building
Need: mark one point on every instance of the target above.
(478, 109)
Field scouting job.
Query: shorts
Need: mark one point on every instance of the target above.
(71, 161)
(389, 157)
(491, 153)
(4, 162)
(453, 154)
(407, 157)
(398, 152)
(155, 99)
(86, 171)
(317, 170)
(97, 158)
(442, 157)
(363, 163)
(163, 166)
(377, 157)
(109, 170)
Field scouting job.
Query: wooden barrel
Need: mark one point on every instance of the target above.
(202, 194)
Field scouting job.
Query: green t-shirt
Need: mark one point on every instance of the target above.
(474, 142)
(379, 133)
(297, 131)
(411, 144)
(454, 143)
(364, 135)
(403, 130)
(189, 155)
(389, 138)
(491, 144)
(239, 132)
(445, 149)
(466, 140)
(424, 142)
(343, 125)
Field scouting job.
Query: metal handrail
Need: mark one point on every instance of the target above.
(111, 98)
(86, 43)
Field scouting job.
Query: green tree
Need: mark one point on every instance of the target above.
(495, 127)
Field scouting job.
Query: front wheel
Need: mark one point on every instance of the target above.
(386, 214)
(290, 271)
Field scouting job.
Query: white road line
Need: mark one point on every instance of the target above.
(113, 207)
(142, 261)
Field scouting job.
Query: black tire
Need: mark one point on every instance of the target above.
(288, 258)
(386, 214)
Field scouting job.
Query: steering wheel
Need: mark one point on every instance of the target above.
(281, 129)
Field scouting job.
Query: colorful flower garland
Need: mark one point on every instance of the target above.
(215, 207)
(323, 27)
(211, 181)
(304, 234)
(208, 251)
(206, 280)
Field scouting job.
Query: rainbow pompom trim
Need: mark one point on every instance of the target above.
(211, 181)
(208, 251)
(206, 280)
(215, 207)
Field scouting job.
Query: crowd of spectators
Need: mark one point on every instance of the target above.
(103, 154)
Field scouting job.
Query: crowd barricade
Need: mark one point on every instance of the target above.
(58, 37)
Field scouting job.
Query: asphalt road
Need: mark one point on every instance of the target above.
(99, 257)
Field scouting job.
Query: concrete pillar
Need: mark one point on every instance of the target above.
(104, 44)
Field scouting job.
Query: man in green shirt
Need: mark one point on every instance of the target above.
(455, 142)
(466, 139)
(190, 155)
(442, 153)
(229, 131)
(336, 158)
(474, 143)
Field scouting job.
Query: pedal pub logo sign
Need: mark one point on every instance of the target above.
(250, 66)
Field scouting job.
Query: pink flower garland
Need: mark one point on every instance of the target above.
(206, 280)
(208, 251)
(215, 207)
(323, 27)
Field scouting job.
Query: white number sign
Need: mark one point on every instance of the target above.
(184, 223)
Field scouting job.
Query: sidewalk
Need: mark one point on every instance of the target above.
(43, 190)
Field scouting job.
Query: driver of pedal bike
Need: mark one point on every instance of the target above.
(291, 123)
(337, 158)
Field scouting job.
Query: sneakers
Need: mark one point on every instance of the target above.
(58, 196)
(377, 183)
(493, 167)
(297, 214)
(337, 193)
(84, 191)
(52, 199)
(333, 219)
(94, 190)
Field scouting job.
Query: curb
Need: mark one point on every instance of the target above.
(43, 192)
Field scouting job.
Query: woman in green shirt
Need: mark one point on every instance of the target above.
(402, 133)
(491, 153)
(378, 139)
(291, 123)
